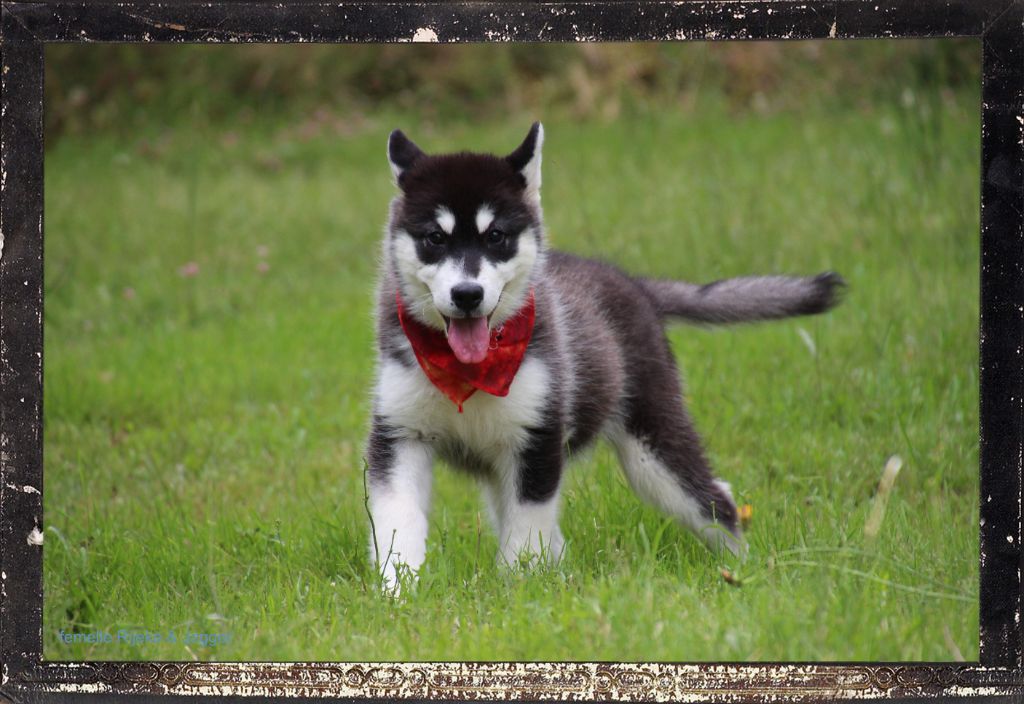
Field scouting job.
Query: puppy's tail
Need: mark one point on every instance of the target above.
(746, 298)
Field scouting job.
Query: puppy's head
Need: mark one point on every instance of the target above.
(465, 236)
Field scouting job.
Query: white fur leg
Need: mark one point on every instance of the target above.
(528, 531)
(399, 503)
(653, 482)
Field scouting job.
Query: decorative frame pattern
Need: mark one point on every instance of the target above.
(26, 26)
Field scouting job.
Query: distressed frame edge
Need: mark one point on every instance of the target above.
(530, 681)
(1001, 340)
(21, 231)
(490, 21)
(25, 672)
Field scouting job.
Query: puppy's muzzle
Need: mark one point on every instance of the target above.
(467, 296)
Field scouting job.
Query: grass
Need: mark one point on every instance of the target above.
(204, 423)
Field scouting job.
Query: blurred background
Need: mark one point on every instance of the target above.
(328, 87)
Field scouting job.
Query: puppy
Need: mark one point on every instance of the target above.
(505, 358)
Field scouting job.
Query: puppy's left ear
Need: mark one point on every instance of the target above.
(402, 153)
(526, 159)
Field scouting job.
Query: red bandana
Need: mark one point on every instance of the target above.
(459, 381)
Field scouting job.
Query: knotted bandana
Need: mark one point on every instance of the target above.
(459, 381)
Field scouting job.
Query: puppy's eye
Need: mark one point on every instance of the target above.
(436, 238)
(494, 236)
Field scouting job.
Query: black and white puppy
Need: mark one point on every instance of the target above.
(464, 256)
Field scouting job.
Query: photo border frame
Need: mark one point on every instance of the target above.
(25, 27)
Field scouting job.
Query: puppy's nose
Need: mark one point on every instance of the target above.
(466, 296)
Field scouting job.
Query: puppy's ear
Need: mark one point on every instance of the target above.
(526, 159)
(402, 154)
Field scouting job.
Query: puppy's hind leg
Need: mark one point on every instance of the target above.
(662, 458)
(680, 486)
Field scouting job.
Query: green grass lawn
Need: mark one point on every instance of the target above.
(204, 425)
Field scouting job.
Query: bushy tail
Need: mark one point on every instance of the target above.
(746, 298)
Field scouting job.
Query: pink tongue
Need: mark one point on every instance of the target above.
(469, 339)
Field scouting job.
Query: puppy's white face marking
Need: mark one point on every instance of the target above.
(445, 219)
(441, 280)
(510, 280)
(415, 277)
(484, 218)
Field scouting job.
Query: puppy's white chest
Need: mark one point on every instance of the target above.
(489, 425)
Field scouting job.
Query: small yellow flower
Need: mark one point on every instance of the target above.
(746, 513)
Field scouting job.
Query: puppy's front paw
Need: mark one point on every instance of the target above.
(396, 578)
(531, 553)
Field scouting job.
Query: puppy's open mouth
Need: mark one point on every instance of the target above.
(469, 338)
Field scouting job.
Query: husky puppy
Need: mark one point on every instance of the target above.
(465, 262)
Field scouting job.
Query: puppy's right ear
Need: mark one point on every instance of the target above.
(402, 154)
(526, 160)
